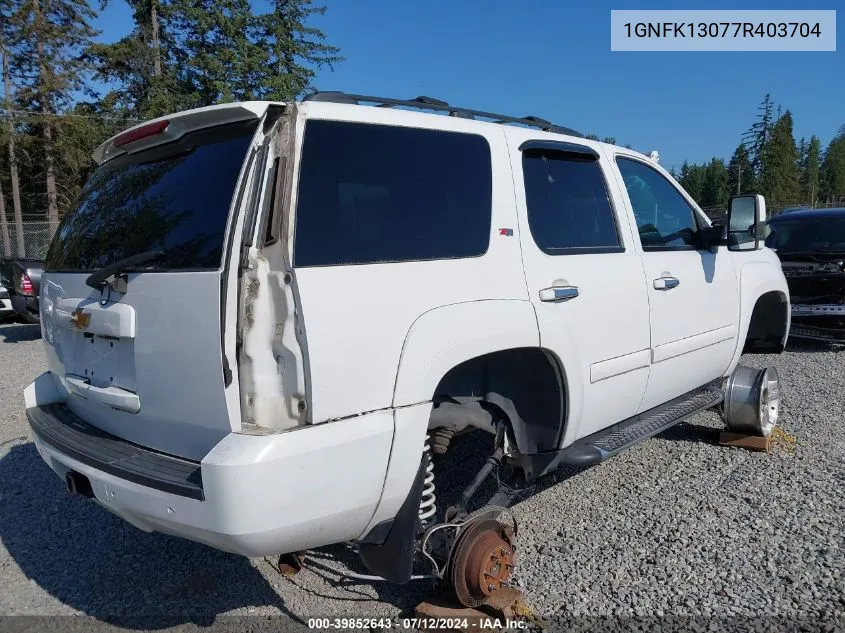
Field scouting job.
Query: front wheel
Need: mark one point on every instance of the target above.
(752, 401)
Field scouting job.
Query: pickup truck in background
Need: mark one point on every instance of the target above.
(21, 278)
(811, 246)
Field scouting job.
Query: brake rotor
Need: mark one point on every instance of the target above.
(481, 561)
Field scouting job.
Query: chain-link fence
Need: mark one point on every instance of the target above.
(718, 212)
(33, 243)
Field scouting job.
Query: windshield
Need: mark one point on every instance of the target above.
(173, 198)
(819, 234)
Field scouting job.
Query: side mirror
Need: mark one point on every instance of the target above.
(746, 219)
(713, 236)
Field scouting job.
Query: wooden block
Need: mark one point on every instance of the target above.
(497, 609)
(741, 440)
(443, 611)
(501, 603)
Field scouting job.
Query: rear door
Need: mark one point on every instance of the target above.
(142, 359)
(585, 279)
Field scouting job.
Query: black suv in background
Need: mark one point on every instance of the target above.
(811, 247)
(22, 278)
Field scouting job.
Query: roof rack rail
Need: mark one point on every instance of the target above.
(430, 103)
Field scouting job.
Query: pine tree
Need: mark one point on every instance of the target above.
(801, 161)
(741, 177)
(756, 138)
(716, 188)
(810, 170)
(780, 178)
(216, 48)
(833, 169)
(49, 70)
(291, 50)
(150, 81)
(692, 179)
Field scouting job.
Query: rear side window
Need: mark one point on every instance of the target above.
(376, 193)
(174, 198)
(568, 206)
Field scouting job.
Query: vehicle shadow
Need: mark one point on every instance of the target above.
(19, 333)
(95, 563)
(690, 432)
(453, 472)
(810, 346)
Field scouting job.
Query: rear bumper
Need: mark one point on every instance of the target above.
(259, 495)
(25, 305)
(61, 429)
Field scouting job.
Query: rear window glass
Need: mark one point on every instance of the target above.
(568, 204)
(174, 198)
(376, 193)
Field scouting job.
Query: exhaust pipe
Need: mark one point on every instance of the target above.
(79, 484)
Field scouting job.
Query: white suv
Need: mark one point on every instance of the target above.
(259, 316)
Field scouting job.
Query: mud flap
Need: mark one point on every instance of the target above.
(388, 549)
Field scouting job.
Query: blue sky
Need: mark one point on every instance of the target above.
(552, 58)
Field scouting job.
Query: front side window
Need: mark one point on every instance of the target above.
(568, 206)
(665, 220)
(376, 193)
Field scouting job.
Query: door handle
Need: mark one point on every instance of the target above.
(666, 283)
(557, 294)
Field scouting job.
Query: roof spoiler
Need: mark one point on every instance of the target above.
(173, 126)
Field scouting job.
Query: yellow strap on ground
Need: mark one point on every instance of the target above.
(784, 439)
(522, 610)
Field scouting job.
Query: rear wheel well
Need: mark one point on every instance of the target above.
(767, 328)
(525, 385)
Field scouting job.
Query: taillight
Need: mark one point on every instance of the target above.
(145, 131)
(26, 285)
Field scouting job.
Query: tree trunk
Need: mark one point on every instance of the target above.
(4, 225)
(155, 38)
(16, 190)
(13, 164)
(47, 129)
(49, 168)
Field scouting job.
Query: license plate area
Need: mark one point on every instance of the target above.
(104, 361)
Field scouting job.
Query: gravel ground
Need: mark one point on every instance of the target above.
(677, 526)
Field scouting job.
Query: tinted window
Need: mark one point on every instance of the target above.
(664, 218)
(375, 193)
(174, 198)
(568, 205)
(818, 234)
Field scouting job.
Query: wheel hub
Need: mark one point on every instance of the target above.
(481, 561)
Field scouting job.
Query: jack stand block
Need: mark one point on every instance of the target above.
(741, 440)
(499, 608)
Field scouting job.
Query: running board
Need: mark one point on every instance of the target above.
(614, 439)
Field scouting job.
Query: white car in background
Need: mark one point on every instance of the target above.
(6, 309)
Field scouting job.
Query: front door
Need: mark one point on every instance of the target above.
(585, 280)
(693, 292)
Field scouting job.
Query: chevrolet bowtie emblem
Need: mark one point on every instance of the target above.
(80, 319)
